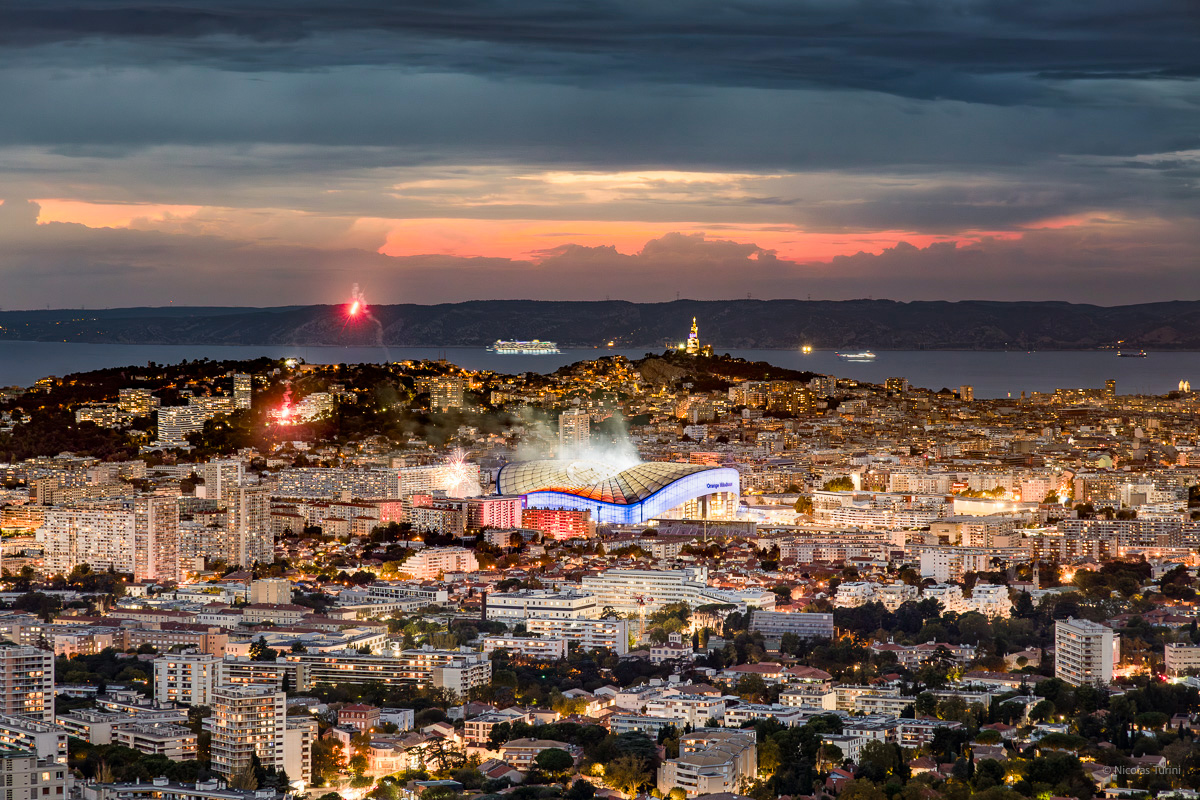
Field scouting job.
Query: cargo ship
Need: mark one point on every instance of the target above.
(534, 347)
(864, 355)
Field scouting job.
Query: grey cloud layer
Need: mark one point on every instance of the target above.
(976, 50)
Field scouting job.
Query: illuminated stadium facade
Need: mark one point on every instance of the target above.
(617, 496)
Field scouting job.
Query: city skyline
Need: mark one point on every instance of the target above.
(184, 153)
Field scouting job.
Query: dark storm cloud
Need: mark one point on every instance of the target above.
(995, 51)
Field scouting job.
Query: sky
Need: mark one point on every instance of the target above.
(261, 152)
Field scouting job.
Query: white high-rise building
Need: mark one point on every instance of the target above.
(249, 523)
(27, 683)
(574, 430)
(221, 476)
(137, 535)
(176, 422)
(243, 385)
(247, 720)
(1085, 652)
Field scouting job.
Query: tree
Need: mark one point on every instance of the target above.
(554, 761)
(260, 652)
(626, 774)
(860, 789)
(878, 761)
(328, 760)
(245, 778)
(498, 735)
(581, 790)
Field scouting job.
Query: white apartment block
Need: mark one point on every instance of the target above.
(854, 594)
(186, 678)
(220, 476)
(247, 721)
(176, 742)
(711, 761)
(457, 670)
(895, 594)
(243, 385)
(176, 422)
(1182, 659)
(514, 606)
(545, 648)
(950, 595)
(48, 742)
(791, 716)
(23, 774)
(574, 431)
(1085, 652)
(805, 626)
(951, 563)
(272, 591)
(631, 590)
(590, 634)
(432, 562)
(627, 590)
(136, 535)
(332, 483)
(27, 683)
(991, 600)
(686, 709)
(298, 736)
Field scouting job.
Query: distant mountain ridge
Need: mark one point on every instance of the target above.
(729, 324)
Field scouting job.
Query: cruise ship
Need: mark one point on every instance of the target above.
(534, 347)
(863, 355)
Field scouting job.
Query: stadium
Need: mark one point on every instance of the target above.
(617, 496)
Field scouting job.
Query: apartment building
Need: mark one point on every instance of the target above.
(23, 774)
(806, 626)
(48, 742)
(247, 721)
(27, 683)
(186, 678)
(543, 648)
(456, 670)
(139, 535)
(176, 742)
(543, 603)
(711, 761)
(1182, 659)
(687, 709)
(433, 562)
(1085, 652)
(590, 634)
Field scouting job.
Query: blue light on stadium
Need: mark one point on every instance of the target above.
(615, 496)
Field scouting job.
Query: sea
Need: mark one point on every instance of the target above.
(992, 374)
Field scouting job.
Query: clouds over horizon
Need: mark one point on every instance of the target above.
(205, 269)
(777, 147)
